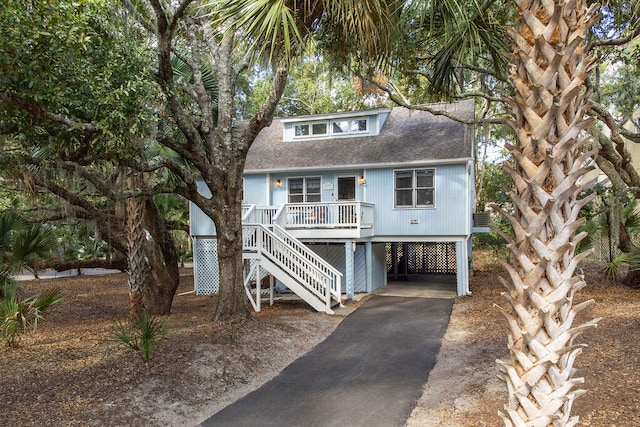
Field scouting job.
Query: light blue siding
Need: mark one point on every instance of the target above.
(255, 189)
(448, 217)
(278, 195)
(335, 255)
(201, 224)
(379, 266)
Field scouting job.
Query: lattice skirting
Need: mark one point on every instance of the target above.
(206, 273)
(423, 257)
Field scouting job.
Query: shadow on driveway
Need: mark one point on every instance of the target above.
(369, 372)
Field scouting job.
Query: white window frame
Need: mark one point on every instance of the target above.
(310, 125)
(329, 128)
(350, 121)
(304, 189)
(414, 189)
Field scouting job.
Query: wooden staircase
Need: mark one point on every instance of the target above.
(272, 250)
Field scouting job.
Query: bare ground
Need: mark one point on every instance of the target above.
(70, 373)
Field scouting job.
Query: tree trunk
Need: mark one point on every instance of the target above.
(232, 298)
(550, 67)
(214, 146)
(164, 277)
(632, 279)
(136, 237)
(117, 263)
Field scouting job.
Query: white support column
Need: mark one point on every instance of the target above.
(349, 273)
(258, 286)
(272, 284)
(470, 256)
(462, 262)
(196, 266)
(368, 265)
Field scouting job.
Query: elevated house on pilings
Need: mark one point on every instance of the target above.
(338, 203)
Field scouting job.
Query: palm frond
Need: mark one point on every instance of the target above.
(10, 223)
(34, 242)
(468, 34)
(183, 72)
(270, 24)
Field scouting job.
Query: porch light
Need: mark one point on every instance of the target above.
(278, 183)
(362, 181)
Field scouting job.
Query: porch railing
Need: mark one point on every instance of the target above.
(252, 214)
(325, 215)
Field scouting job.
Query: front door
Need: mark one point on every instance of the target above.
(347, 188)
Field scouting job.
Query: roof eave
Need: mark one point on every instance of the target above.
(439, 162)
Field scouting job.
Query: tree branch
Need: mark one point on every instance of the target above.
(40, 112)
(618, 42)
(403, 102)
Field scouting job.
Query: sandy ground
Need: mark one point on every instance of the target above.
(69, 372)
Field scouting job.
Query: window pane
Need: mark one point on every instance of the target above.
(295, 186)
(341, 126)
(313, 198)
(313, 185)
(295, 198)
(319, 129)
(404, 198)
(424, 178)
(425, 197)
(404, 179)
(302, 130)
(359, 125)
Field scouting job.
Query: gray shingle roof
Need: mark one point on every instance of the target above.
(408, 136)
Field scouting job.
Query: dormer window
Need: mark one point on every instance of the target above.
(311, 129)
(348, 124)
(328, 128)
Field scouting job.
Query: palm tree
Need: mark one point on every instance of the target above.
(22, 245)
(136, 238)
(551, 64)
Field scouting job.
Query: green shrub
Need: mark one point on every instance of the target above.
(19, 316)
(141, 334)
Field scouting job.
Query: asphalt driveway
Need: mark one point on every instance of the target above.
(368, 372)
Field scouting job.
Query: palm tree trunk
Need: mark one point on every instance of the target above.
(135, 241)
(550, 67)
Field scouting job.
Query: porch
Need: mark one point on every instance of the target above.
(322, 220)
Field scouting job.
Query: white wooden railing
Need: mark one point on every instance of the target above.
(335, 277)
(252, 214)
(305, 273)
(325, 215)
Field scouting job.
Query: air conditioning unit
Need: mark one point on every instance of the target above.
(481, 219)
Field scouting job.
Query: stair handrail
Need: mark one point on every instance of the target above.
(280, 218)
(249, 211)
(315, 282)
(314, 259)
(318, 281)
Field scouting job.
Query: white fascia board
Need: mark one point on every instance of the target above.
(330, 116)
(426, 163)
(417, 238)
